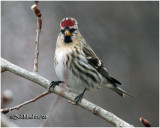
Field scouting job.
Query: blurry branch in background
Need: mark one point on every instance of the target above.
(6, 110)
(39, 26)
(6, 97)
(5, 122)
(53, 110)
(96, 110)
(145, 122)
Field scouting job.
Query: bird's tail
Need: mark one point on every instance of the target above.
(120, 91)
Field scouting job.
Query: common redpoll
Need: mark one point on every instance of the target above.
(77, 65)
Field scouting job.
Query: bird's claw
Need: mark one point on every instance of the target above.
(53, 84)
(78, 99)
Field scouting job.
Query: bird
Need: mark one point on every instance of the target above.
(77, 65)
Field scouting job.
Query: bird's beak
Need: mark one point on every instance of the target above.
(67, 33)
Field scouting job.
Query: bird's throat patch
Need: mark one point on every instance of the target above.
(67, 39)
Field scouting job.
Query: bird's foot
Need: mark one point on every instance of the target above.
(79, 97)
(53, 84)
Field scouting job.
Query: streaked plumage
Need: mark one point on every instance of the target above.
(76, 63)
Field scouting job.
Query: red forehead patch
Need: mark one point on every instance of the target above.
(67, 23)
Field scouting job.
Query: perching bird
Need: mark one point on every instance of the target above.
(77, 65)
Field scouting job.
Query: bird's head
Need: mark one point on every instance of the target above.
(69, 29)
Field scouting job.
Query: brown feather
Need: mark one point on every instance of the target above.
(97, 64)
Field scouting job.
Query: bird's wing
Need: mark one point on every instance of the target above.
(94, 61)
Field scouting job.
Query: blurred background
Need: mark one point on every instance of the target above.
(125, 36)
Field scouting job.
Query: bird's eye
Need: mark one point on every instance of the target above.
(72, 30)
(62, 30)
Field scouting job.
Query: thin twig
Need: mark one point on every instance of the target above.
(6, 110)
(95, 109)
(39, 26)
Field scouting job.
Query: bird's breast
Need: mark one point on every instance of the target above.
(64, 73)
(60, 68)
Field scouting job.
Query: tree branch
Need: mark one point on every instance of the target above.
(96, 110)
(39, 26)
